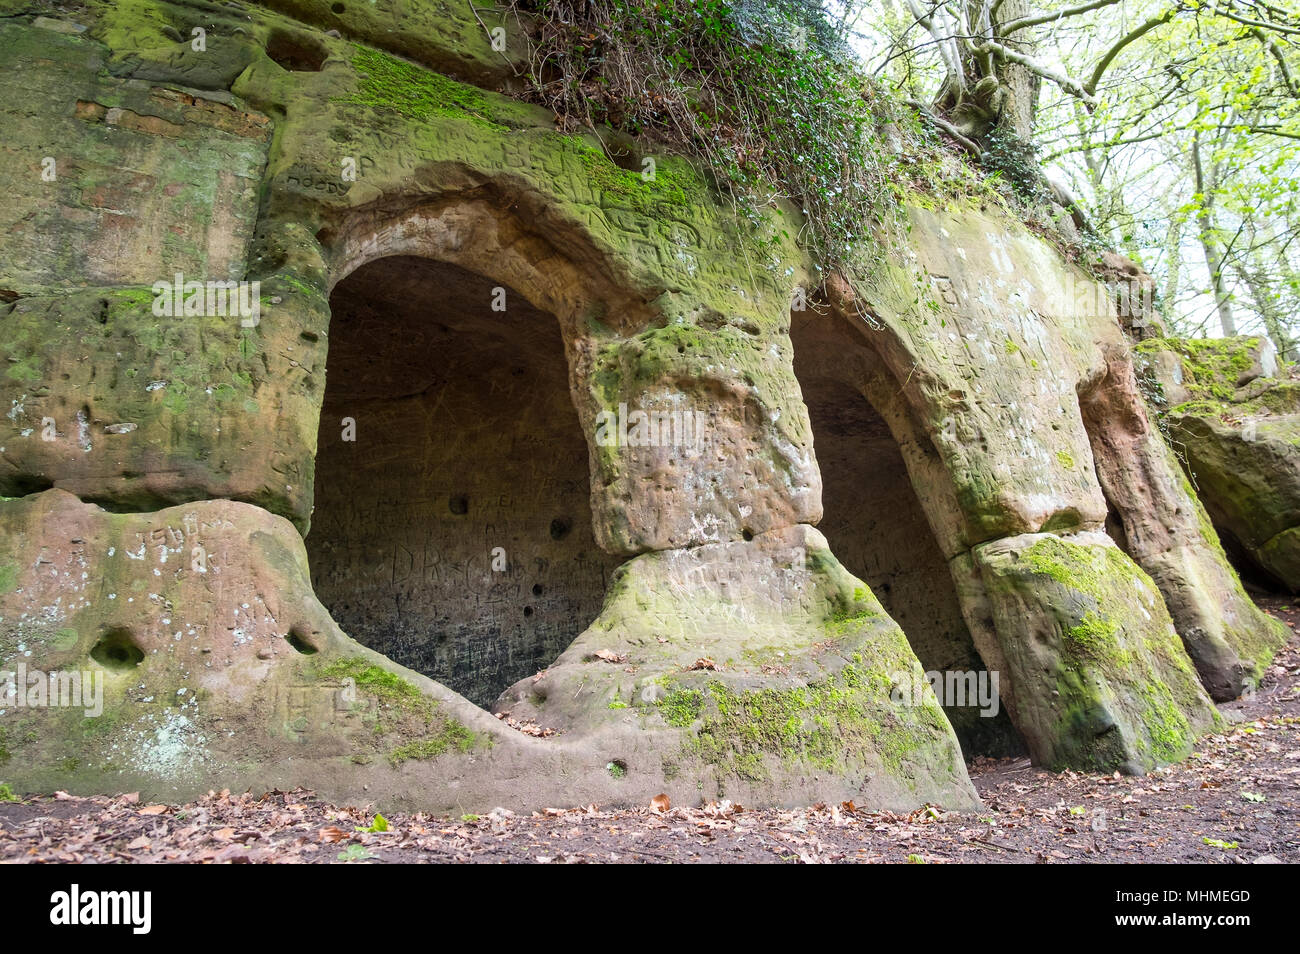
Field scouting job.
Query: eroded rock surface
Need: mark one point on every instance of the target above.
(1235, 417)
(565, 427)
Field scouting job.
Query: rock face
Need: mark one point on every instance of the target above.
(496, 421)
(1237, 423)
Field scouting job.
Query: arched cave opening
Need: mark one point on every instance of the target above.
(452, 527)
(876, 524)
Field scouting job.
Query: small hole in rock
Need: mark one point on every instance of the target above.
(560, 528)
(459, 504)
(299, 640)
(747, 535)
(117, 651)
(296, 53)
(626, 159)
(25, 484)
(528, 611)
(337, 8)
(537, 589)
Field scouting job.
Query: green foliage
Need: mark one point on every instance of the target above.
(380, 824)
(761, 91)
(7, 793)
(1220, 843)
(355, 853)
(1015, 160)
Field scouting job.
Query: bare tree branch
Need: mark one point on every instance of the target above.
(1135, 34)
(1023, 22)
(948, 128)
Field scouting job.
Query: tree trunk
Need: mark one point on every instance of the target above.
(1208, 236)
(1021, 105)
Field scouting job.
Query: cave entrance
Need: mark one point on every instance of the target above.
(452, 527)
(875, 521)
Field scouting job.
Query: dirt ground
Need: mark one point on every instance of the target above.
(1236, 800)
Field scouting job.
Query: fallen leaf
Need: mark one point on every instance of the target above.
(153, 810)
(704, 662)
(332, 833)
(609, 656)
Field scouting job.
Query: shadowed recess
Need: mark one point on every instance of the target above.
(875, 524)
(434, 534)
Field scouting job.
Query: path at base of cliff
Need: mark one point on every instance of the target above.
(1235, 800)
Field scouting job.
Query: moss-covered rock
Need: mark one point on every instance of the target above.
(1205, 369)
(454, 37)
(104, 162)
(1244, 458)
(1163, 527)
(1233, 415)
(217, 667)
(761, 686)
(301, 140)
(1096, 677)
(120, 406)
(213, 660)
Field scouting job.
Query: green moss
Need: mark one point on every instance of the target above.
(1211, 366)
(7, 793)
(27, 369)
(405, 713)
(673, 182)
(453, 736)
(1125, 691)
(8, 578)
(1095, 637)
(385, 686)
(1093, 570)
(825, 725)
(1065, 460)
(847, 615)
(681, 707)
(387, 83)
(1169, 735)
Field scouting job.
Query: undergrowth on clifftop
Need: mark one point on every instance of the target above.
(762, 92)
